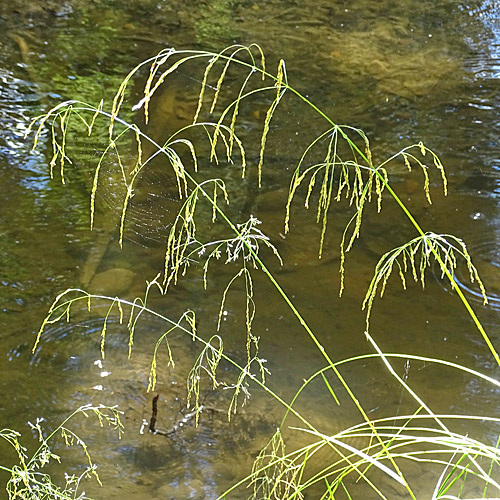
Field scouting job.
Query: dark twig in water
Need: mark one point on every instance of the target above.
(179, 424)
(185, 420)
(154, 413)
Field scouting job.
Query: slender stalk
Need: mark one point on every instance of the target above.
(408, 214)
(280, 291)
(281, 84)
(445, 270)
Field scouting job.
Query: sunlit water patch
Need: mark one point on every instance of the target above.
(484, 248)
(200, 460)
(18, 101)
(487, 65)
(419, 76)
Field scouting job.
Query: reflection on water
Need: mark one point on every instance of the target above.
(487, 66)
(401, 73)
(19, 100)
(485, 248)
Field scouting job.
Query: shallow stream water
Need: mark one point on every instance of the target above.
(401, 71)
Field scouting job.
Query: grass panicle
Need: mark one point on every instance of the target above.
(207, 363)
(415, 257)
(345, 172)
(274, 474)
(28, 479)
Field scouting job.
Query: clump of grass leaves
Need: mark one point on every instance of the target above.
(28, 481)
(347, 173)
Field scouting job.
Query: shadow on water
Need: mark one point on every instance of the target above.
(402, 73)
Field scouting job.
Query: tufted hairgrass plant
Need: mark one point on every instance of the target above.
(29, 481)
(347, 173)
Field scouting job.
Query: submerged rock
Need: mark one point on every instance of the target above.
(112, 282)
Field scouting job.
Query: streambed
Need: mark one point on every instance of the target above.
(401, 73)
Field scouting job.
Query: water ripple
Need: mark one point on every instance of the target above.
(486, 257)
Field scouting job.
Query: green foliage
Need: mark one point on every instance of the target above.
(443, 247)
(28, 480)
(348, 172)
(276, 475)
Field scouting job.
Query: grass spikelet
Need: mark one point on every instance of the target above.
(274, 474)
(207, 363)
(28, 480)
(229, 60)
(426, 184)
(218, 184)
(189, 316)
(281, 86)
(379, 185)
(409, 157)
(181, 235)
(128, 195)
(138, 162)
(208, 68)
(137, 304)
(241, 386)
(407, 162)
(114, 302)
(213, 60)
(60, 310)
(97, 113)
(443, 247)
(118, 100)
(159, 60)
(439, 166)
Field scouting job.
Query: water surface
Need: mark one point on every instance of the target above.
(402, 72)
